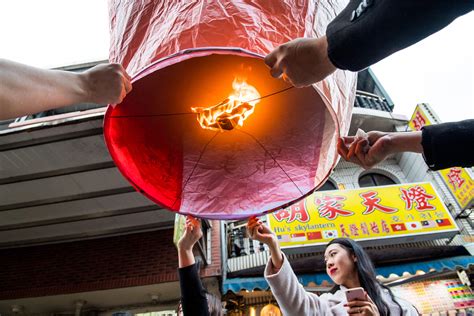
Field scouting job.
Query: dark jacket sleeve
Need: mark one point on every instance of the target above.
(368, 31)
(448, 145)
(193, 295)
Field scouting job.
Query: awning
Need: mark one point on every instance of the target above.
(237, 284)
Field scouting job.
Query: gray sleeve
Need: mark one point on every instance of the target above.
(290, 294)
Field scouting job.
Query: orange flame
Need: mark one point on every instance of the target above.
(231, 112)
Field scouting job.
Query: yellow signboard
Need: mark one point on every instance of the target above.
(460, 184)
(419, 119)
(363, 214)
(458, 181)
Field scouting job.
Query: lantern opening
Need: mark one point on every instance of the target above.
(261, 166)
(231, 112)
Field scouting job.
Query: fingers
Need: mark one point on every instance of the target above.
(193, 222)
(127, 84)
(272, 61)
(348, 140)
(254, 225)
(351, 150)
(341, 148)
(271, 58)
(360, 151)
(367, 297)
(357, 307)
(276, 71)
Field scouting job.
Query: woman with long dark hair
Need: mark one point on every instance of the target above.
(347, 264)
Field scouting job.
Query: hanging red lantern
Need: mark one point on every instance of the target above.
(203, 132)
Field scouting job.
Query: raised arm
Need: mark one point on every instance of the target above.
(442, 145)
(27, 90)
(193, 295)
(258, 231)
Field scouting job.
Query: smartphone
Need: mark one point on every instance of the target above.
(356, 293)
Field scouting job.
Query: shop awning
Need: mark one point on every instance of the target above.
(237, 284)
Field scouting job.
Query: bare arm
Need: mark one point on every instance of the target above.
(191, 235)
(377, 146)
(27, 90)
(258, 231)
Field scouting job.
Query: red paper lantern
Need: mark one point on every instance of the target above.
(286, 145)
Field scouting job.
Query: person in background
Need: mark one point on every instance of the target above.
(27, 90)
(443, 145)
(347, 264)
(194, 298)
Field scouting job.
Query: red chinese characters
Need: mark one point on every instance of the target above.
(374, 228)
(455, 179)
(344, 233)
(385, 228)
(364, 229)
(371, 203)
(417, 196)
(418, 121)
(354, 229)
(294, 212)
(329, 207)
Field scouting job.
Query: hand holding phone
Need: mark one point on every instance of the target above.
(354, 294)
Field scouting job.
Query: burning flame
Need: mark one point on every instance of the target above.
(231, 112)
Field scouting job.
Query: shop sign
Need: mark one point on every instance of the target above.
(395, 213)
(460, 184)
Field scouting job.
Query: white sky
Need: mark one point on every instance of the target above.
(439, 70)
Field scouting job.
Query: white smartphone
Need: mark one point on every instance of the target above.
(356, 293)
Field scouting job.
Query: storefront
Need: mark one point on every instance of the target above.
(433, 286)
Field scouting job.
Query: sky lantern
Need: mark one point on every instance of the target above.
(206, 130)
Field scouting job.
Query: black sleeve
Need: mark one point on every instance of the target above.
(193, 295)
(448, 145)
(368, 31)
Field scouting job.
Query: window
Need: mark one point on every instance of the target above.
(374, 179)
(327, 186)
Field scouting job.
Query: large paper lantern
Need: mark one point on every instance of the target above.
(206, 130)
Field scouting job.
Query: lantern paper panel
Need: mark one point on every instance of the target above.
(282, 151)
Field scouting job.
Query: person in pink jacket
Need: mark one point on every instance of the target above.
(347, 264)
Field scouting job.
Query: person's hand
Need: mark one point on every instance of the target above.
(260, 232)
(363, 308)
(366, 152)
(106, 84)
(301, 62)
(191, 234)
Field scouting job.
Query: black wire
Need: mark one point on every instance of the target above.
(274, 159)
(185, 113)
(194, 168)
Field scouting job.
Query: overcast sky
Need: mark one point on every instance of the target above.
(439, 70)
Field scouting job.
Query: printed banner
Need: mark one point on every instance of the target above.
(363, 214)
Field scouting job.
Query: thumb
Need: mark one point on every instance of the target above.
(367, 298)
(271, 58)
